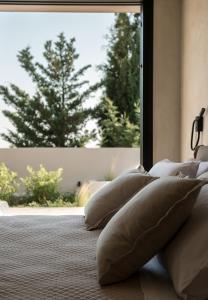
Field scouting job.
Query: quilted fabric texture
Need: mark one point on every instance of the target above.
(47, 257)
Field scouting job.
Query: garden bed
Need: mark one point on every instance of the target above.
(41, 189)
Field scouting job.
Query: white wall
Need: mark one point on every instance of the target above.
(194, 91)
(79, 164)
(180, 75)
(166, 93)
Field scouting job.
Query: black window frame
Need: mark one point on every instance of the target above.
(146, 87)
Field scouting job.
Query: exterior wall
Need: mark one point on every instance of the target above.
(194, 90)
(79, 164)
(166, 94)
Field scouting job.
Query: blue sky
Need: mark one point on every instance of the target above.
(18, 30)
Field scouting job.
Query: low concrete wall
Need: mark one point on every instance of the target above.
(79, 164)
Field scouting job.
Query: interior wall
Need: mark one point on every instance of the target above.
(194, 76)
(166, 93)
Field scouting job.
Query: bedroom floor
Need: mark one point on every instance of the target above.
(51, 211)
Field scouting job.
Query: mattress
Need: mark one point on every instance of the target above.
(53, 257)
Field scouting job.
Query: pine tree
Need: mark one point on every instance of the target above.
(55, 115)
(121, 74)
(114, 130)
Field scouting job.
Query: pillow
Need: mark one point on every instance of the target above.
(143, 226)
(170, 168)
(109, 199)
(203, 167)
(201, 153)
(203, 176)
(186, 256)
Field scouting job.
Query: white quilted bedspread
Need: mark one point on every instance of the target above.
(53, 257)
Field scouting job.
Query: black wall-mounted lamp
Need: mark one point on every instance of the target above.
(198, 125)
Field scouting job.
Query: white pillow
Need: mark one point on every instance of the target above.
(169, 168)
(203, 176)
(203, 167)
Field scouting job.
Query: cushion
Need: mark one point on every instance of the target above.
(186, 256)
(143, 226)
(109, 199)
(203, 167)
(203, 176)
(201, 153)
(170, 168)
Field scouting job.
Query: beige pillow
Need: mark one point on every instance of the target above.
(186, 256)
(109, 199)
(169, 168)
(143, 226)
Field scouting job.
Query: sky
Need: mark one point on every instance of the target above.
(19, 30)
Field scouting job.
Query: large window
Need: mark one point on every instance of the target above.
(70, 79)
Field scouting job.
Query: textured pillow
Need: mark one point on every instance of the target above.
(186, 256)
(108, 200)
(170, 168)
(143, 226)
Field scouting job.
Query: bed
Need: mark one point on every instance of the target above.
(53, 257)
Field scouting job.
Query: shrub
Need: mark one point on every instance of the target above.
(18, 200)
(59, 202)
(69, 197)
(8, 182)
(42, 185)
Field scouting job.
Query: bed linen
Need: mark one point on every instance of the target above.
(53, 257)
(156, 283)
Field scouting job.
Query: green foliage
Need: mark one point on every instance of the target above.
(41, 189)
(114, 130)
(63, 200)
(60, 202)
(69, 197)
(18, 200)
(121, 82)
(8, 182)
(55, 115)
(42, 185)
